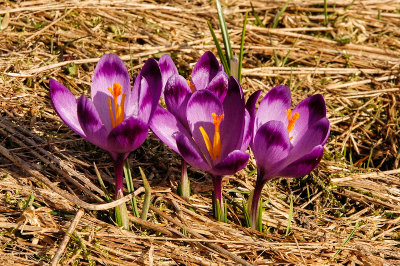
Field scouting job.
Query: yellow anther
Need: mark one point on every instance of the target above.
(291, 119)
(118, 109)
(191, 85)
(214, 149)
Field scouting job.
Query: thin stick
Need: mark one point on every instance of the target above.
(67, 237)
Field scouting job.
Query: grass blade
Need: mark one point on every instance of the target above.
(326, 12)
(129, 185)
(147, 195)
(290, 216)
(347, 240)
(258, 21)
(246, 214)
(276, 19)
(241, 48)
(219, 50)
(224, 31)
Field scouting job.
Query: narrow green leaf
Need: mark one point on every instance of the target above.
(103, 187)
(241, 48)
(276, 20)
(347, 239)
(246, 214)
(258, 20)
(147, 195)
(220, 53)
(260, 212)
(290, 216)
(225, 212)
(225, 33)
(131, 189)
(326, 12)
(218, 211)
(287, 54)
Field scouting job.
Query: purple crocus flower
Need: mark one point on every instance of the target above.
(209, 127)
(117, 117)
(285, 142)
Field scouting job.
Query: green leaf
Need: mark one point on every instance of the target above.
(276, 20)
(260, 212)
(241, 48)
(147, 195)
(246, 214)
(290, 216)
(224, 31)
(258, 20)
(131, 189)
(220, 53)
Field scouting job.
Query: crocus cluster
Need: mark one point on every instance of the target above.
(206, 121)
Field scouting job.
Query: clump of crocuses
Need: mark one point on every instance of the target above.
(117, 116)
(205, 122)
(285, 142)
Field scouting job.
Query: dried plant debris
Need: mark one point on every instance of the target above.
(346, 211)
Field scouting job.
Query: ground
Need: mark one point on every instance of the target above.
(346, 211)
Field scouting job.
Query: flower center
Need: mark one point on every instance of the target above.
(214, 149)
(191, 85)
(291, 120)
(118, 116)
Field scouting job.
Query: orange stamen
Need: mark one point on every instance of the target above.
(291, 120)
(214, 149)
(191, 85)
(118, 109)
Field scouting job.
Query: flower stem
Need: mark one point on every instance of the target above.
(121, 213)
(217, 200)
(255, 204)
(184, 184)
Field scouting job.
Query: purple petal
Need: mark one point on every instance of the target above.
(219, 85)
(199, 114)
(247, 132)
(176, 95)
(271, 146)
(109, 70)
(251, 108)
(232, 126)
(127, 136)
(205, 70)
(91, 124)
(146, 91)
(304, 165)
(310, 110)
(64, 103)
(274, 106)
(235, 161)
(190, 153)
(315, 135)
(166, 127)
(167, 68)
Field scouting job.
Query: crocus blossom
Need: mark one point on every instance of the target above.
(209, 126)
(285, 142)
(208, 74)
(117, 117)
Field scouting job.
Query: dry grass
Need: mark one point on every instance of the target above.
(354, 62)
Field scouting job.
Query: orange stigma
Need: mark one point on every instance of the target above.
(191, 85)
(214, 149)
(119, 109)
(291, 120)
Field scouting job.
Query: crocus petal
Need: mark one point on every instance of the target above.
(176, 95)
(166, 127)
(251, 108)
(310, 110)
(91, 124)
(127, 136)
(199, 114)
(247, 131)
(205, 70)
(64, 103)
(146, 91)
(316, 134)
(234, 117)
(219, 85)
(190, 153)
(167, 67)
(271, 146)
(235, 161)
(274, 106)
(304, 165)
(109, 70)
